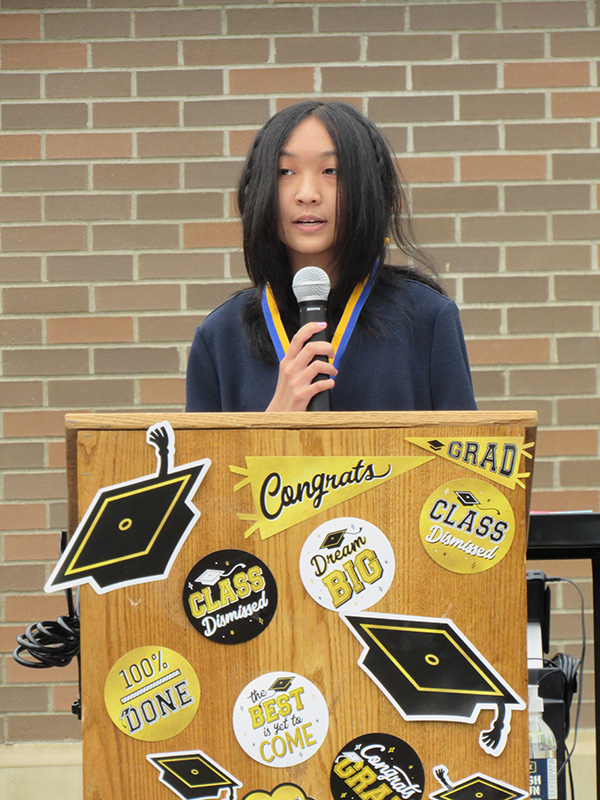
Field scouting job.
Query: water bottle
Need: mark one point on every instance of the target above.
(542, 751)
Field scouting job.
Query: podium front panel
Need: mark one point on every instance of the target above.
(275, 676)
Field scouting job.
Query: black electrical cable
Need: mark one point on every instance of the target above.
(52, 643)
(573, 671)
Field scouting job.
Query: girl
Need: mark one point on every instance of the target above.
(319, 188)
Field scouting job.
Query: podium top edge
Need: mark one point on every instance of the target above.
(299, 420)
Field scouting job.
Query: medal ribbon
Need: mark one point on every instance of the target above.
(345, 327)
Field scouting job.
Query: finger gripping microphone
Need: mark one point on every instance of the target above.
(311, 287)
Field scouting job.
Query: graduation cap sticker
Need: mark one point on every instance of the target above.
(132, 531)
(192, 775)
(429, 670)
(474, 787)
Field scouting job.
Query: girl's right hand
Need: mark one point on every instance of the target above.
(295, 387)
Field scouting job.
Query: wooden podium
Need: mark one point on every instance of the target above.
(273, 480)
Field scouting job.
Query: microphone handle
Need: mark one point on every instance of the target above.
(316, 311)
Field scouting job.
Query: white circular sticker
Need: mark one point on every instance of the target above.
(280, 719)
(347, 564)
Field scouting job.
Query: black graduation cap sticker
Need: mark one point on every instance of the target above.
(429, 670)
(474, 787)
(132, 531)
(192, 775)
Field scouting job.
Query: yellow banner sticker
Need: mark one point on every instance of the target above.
(151, 693)
(467, 525)
(287, 490)
(496, 458)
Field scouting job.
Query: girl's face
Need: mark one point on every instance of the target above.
(308, 196)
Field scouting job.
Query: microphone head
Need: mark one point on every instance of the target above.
(311, 284)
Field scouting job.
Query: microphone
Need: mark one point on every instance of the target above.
(311, 286)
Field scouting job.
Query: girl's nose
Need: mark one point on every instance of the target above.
(308, 191)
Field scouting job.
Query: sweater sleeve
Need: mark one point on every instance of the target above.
(451, 384)
(202, 380)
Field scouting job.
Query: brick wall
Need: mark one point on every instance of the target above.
(123, 129)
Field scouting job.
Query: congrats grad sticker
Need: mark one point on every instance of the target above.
(347, 563)
(280, 719)
(230, 596)
(151, 693)
(467, 525)
(377, 766)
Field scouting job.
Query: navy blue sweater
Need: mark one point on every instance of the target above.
(412, 359)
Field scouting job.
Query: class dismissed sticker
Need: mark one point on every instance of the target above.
(467, 525)
(287, 490)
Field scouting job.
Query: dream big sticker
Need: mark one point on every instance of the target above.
(151, 693)
(280, 719)
(347, 563)
(474, 787)
(193, 775)
(429, 670)
(467, 525)
(230, 596)
(376, 766)
(132, 531)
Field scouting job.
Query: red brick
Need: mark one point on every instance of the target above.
(179, 22)
(42, 116)
(22, 394)
(135, 236)
(44, 55)
(519, 75)
(271, 80)
(179, 143)
(458, 16)
(30, 424)
(148, 175)
(365, 78)
(247, 51)
(20, 209)
(180, 265)
(500, 45)
(427, 169)
(136, 114)
(44, 238)
(569, 442)
(19, 26)
(576, 104)
(138, 53)
(503, 167)
(509, 351)
(212, 234)
(55, 361)
(18, 147)
(547, 382)
(162, 391)
(552, 14)
(88, 206)
(88, 84)
(44, 178)
(56, 727)
(91, 394)
(22, 516)
(138, 297)
(88, 145)
(264, 21)
(74, 330)
(20, 331)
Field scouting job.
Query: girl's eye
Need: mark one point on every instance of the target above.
(285, 171)
(330, 171)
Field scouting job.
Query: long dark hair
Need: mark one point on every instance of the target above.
(371, 205)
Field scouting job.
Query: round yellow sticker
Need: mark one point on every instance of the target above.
(151, 693)
(467, 525)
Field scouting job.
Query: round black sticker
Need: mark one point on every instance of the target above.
(377, 765)
(230, 596)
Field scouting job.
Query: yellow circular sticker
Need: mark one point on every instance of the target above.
(151, 693)
(467, 525)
